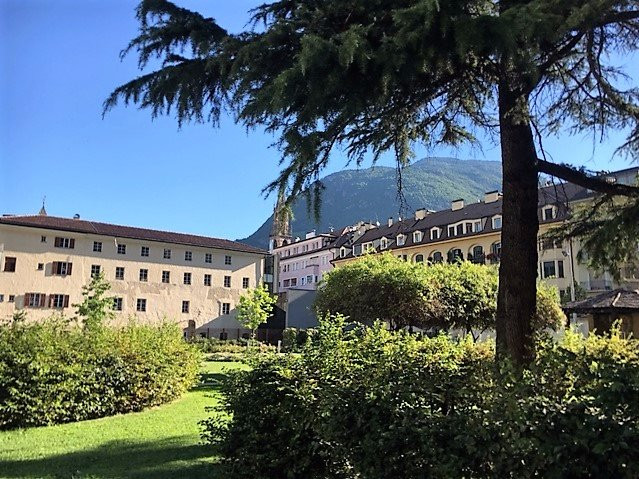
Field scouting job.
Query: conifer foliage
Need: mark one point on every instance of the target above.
(371, 76)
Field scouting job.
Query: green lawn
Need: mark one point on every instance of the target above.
(158, 443)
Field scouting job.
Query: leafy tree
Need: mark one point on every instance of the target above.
(96, 307)
(378, 287)
(369, 76)
(254, 308)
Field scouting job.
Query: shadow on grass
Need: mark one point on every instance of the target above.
(169, 458)
(211, 380)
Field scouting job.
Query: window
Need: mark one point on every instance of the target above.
(207, 280)
(119, 272)
(434, 234)
(97, 246)
(401, 239)
(549, 213)
(403, 257)
(478, 255)
(61, 268)
(121, 249)
(167, 253)
(166, 276)
(144, 275)
(419, 258)
(549, 269)
(208, 258)
(477, 226)
(454, 255)
(187, 278)
(59, 301)
(357, 249)
(226, 308)
(303, 279)
(309, 279)
(382, 244)
(560, 269)
(293, 281)
(40, 266)
(34, 300)
(417, 237)
(185, 306)
(227, 259)
(188, 256)
(68, 243)
(451, 231)
(438, 257)
(95, 270)
(227, 281)
(9, 264)
(245, 283)
(12, 298)
(141, 305)
(497, 222)
(342, 252)
(144, 251)
(117, 304)
(459, 229)
(287, 283)
(43, 239)
(1, 298)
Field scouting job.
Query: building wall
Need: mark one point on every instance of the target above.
(163, 300)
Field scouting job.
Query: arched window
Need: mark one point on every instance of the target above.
(437, 257)
(477, 254)
(419, 258)
(455, 255)
(495, 252)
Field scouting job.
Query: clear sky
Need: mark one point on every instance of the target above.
(59, 61)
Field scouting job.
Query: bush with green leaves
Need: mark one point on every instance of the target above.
(450, 296)
(371, 403)
(55, 371)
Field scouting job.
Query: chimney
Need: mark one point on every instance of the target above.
(420, 214)
(491, 196)
(457, 204)
(390, 221)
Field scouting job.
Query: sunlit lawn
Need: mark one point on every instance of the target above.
(162, 442)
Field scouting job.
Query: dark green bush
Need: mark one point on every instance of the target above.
(53, 372)
(374, 404)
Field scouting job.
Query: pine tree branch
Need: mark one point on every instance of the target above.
(578, 177)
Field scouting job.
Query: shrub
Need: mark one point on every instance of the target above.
(53, 372)
(370, 403)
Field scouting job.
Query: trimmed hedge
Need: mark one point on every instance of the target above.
(52, 372)
(375, 404)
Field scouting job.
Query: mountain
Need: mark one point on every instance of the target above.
(371, 194)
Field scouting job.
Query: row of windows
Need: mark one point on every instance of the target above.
(303, 281)
(69, 243)
(39, 300)
(316, 261)
(141, 306)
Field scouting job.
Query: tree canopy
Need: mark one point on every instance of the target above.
(369, 76)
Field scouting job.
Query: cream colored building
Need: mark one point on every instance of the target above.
(472, 231)
(195, 281)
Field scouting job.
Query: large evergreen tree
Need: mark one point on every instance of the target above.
(370, 76)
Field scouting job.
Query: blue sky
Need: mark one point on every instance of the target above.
(59, 61)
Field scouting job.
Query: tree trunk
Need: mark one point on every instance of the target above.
(516, 300)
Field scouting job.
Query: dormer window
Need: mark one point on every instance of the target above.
(451, 231)
(383, 243)
(417, 237)
(549, 213)
(401, 239)
(496, 222)
(435, 234)
(357, 250)
(477, 227)
(342, 252)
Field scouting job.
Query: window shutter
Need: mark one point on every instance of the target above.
(42, 300)
(66, 300)
(54, 267)
(27, 297)
(51, 300)
(69, 265)
(72, 243)
(56, 243)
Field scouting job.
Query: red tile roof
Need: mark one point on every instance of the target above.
(93, 227)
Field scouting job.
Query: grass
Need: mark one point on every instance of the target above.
(159, 443)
